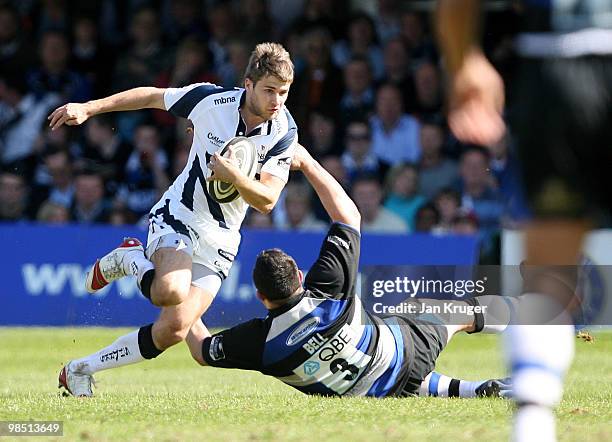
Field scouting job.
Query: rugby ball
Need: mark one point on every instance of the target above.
(245, 153)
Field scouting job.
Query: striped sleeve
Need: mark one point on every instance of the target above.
(181, 101)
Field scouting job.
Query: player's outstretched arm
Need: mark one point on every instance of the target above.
(339, 206)
(476, 97)
(73, 114)
(194, 340)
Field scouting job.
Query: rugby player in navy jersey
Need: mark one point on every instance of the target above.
(318, 338)
(193, 239)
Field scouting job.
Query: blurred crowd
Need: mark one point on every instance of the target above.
(368, 98)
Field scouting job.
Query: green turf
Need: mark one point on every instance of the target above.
(173, 399)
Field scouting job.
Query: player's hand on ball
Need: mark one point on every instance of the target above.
(223, 168)
(300, 158)
(71, 114)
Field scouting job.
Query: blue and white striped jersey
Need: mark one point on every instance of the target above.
(323, 341)
(214, 112)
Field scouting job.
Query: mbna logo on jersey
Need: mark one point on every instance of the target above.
(303, 330)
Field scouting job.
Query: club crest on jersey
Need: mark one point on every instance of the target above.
(311, 367)
(303, 330)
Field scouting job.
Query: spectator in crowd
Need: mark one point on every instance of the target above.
(358, 158)
(256, 24)
(465, 223)
(437, 171)
(90, 57)
(358, 98)
(60, 187)
(298, 212)
(258, 220)
(284, 13)
(52, 15)
(221, 26)
(121, 216)
(427, 218)
(89, 204)
(145, 57)
(412, 32)
(448, 205)
(319, 85)
(360, 42)
(428, 90)
(21, 114)
(190, 66)
(478, 195)
(505, 168)
(146, 178)
(333, 164)
(387, 19)
(53, 213)
(105, 150)
(395, 135)
(230, 73)
(15, 52)
(367, 194)
(182, 19)
(54, 75)
(397, 69)
(403, 199)
(322, 138)
(13, 196)
(318, 14)
(51, 142)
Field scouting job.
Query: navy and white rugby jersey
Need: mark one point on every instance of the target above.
(215, 114)
(323, 342)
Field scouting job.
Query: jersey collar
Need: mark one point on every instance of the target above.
(241, 129)
(286, 307)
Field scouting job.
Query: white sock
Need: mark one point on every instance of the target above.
(436, 384)
(137, 264)
(533, 423)
(123, 351)
(539, 355)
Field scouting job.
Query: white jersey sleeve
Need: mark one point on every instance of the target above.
(180, 102)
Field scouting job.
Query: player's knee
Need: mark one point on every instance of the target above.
(170, 291)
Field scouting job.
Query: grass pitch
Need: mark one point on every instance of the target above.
(173, 399)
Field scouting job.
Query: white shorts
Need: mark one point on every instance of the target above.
(172, 225)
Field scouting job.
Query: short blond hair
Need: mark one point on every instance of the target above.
(269, 59)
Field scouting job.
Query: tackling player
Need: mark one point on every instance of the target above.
(563, 134)
(319, 339)
(192, 239)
